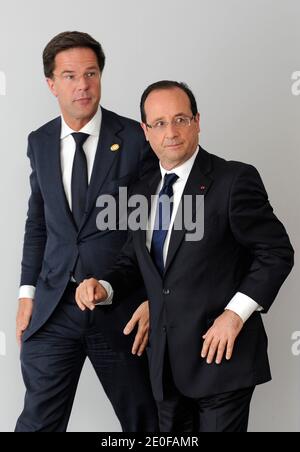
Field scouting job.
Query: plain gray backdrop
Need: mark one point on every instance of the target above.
(238, 56)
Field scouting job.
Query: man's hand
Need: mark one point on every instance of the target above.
(23, 317)
(89, 293)
(221, 336)
(140, 317)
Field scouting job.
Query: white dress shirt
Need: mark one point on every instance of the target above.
(241, 304)
(67, 153)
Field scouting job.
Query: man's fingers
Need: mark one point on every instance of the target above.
(206, 344)
(22, 326)
(23, 323)
(212, 350)
(220, 338)
(83, 296)
(229, 349)
(90, 305)
(220, 351)
(143, 345)
(81, 305)
(78, 298)
(135, 345)
(20, 330)
(213, 346)
(23, 316)
(90, 293)
(100, 293)
(205, 335)
(139, 340)
(140, 317)
(140, 336)
(130, 325)
(19, 336)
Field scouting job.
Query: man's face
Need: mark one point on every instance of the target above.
(177, 141)
(76, 83)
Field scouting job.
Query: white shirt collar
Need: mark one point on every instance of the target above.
(182, 171)
(91, 128)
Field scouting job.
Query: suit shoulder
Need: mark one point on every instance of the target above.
(231, 167)
(45, 128)
(123, 120)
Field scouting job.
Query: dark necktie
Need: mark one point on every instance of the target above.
(79, 186)
(79, 183)
(162, 220)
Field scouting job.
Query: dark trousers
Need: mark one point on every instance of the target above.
(52, 360)
(226, 412)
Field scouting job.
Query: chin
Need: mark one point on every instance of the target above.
(175, 155)
(85, 113)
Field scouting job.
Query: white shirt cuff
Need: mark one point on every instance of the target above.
(243, 306)
(110, 294)
(27, 292)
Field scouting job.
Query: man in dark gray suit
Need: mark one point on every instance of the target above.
(86, 152)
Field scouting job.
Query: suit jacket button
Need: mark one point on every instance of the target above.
(166, 292)
(164, 329)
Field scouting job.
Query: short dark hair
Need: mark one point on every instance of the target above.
(167, 84)
(70, 40)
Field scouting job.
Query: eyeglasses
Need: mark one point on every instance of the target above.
(180, 122)
(71, 78)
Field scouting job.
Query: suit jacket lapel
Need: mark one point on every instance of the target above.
(150, 190)
(54, 173)
(198, 183)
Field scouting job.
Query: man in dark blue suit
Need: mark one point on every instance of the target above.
(86, 152)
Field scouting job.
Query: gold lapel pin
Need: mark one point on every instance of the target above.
(114, 147)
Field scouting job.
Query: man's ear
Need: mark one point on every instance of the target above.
(144, 127)
(197, 119)
(51, 85)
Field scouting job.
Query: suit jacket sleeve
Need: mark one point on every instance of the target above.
(125, 275)
(256, 228)
(35, 230)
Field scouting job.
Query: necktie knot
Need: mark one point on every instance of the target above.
(169, 181)
(80, 138)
